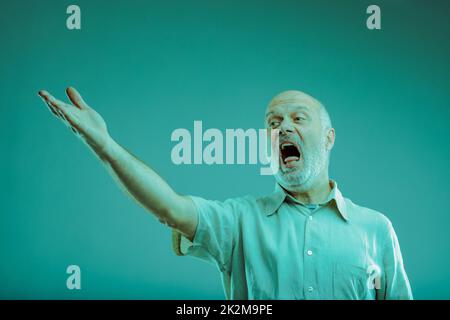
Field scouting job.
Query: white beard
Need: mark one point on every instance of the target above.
(314, 162)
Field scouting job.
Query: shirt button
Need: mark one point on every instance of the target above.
(310, 218)
(310, 289)
(309, 253)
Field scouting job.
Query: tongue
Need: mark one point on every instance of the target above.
(291, 158)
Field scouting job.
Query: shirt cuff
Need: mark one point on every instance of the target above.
(181, 244)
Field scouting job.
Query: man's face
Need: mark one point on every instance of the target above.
(303, 145)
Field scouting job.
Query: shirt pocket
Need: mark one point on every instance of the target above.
(350, 282)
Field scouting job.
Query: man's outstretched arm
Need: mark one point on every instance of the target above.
(140, 181)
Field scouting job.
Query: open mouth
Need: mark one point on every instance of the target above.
(289, 152)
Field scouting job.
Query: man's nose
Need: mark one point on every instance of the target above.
(286, 128)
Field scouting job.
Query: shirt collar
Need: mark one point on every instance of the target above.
(273, 202)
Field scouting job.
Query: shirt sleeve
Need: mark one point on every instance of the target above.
(396, 285)
(216, 233)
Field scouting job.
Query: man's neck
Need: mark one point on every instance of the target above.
(317, 194)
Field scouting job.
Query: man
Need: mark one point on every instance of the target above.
(303, 241)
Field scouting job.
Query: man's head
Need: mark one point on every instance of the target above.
(306, 139)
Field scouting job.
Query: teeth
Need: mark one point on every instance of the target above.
(283, 145)
(292, 158)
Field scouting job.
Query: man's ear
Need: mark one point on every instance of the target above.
(330, 139)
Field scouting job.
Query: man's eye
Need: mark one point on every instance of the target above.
(299, 119)
(274, 124)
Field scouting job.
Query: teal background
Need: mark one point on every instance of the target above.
(150, 67)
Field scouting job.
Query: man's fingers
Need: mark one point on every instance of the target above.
(55, 103)
(50, 99)
(50, 107)
(63, 110)
(44, 95)
(76, 98)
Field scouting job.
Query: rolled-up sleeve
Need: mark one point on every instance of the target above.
(395, 285)
(215, 235)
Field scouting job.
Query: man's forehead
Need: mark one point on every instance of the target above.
(291, 100)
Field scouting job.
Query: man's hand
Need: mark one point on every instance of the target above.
(82, 119)
(139, 180)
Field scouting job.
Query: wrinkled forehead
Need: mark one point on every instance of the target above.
(290, 101)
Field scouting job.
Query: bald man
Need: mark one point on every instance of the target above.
(303, 241)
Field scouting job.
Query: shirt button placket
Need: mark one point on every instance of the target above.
(309, 285)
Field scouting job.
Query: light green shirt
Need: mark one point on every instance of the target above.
(275, 247)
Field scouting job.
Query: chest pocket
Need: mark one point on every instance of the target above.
(350, 282)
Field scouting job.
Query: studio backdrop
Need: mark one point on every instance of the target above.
(152, 67)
